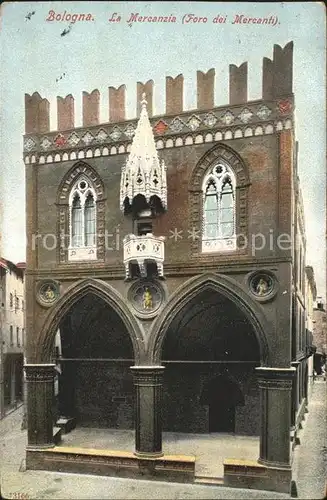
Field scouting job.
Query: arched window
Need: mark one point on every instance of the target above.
(82, 205)
(77, 222)
(219, 209)
(89, 212)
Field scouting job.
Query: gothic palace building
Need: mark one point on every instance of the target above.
(165, 277)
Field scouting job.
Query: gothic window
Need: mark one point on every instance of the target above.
(82, 205)
(11, 300)
(219, 233)
(89, 211)
(77, 240)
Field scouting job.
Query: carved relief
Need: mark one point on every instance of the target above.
(146, 297)
(47, 292)
(263, 285)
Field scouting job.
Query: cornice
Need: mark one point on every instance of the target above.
(178, 269)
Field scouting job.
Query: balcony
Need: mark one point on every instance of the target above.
(142, 251)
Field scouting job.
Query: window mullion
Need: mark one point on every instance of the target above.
(83, 221)
(219, 211)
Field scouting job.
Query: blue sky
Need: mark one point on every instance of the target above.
(98, 54)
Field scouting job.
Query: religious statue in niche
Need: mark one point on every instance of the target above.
(49, 292)
(262, 285)
(146, 297)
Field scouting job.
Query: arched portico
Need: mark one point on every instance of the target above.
(224, 286)
(249, 332)
(95, 366)
(72, 295)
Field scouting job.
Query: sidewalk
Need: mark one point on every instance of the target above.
(310, 457)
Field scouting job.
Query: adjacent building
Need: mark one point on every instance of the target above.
(12, 334)
(310, 299)
(168, 252)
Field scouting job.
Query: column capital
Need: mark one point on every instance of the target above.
(147, 375)
(40, 372)
(275, 378)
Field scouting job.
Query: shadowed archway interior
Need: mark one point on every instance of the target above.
(210, 352)
(96, 352)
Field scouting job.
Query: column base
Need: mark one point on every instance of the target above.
(274, 465)
(67, 424)
(253, 475)
(144, 454)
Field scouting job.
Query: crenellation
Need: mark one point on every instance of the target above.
(174, 94)
(91, 108)
(37, 114)
(238, 83)
(65, 112)
(267, 79)
(283, 70)
(205, 89)
(117, 111)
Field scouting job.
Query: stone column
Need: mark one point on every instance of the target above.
(148, 425)
(275, 407)
(39, 378)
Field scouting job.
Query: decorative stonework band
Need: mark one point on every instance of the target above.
(148, 376)
(40, 372)
(275, 378)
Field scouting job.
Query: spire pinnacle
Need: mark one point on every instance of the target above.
(144, 173)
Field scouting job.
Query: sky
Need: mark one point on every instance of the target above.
(99, 54)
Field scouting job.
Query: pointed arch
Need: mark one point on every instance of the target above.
(79, 169)
(93, 229)
(74, 293)
(232, 160)
(225, 286)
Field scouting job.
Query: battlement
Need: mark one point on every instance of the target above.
(277, 82)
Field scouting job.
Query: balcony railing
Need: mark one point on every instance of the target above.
(142, 250)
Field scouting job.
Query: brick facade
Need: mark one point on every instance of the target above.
(261, 149)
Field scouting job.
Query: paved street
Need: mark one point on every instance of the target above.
(309, 469)
(310, 458)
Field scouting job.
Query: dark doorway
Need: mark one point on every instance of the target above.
(222, 395)
(95, 381)
(221, 419)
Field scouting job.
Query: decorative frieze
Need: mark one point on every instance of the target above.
(222, 123)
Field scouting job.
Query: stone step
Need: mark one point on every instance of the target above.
(209, 480)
